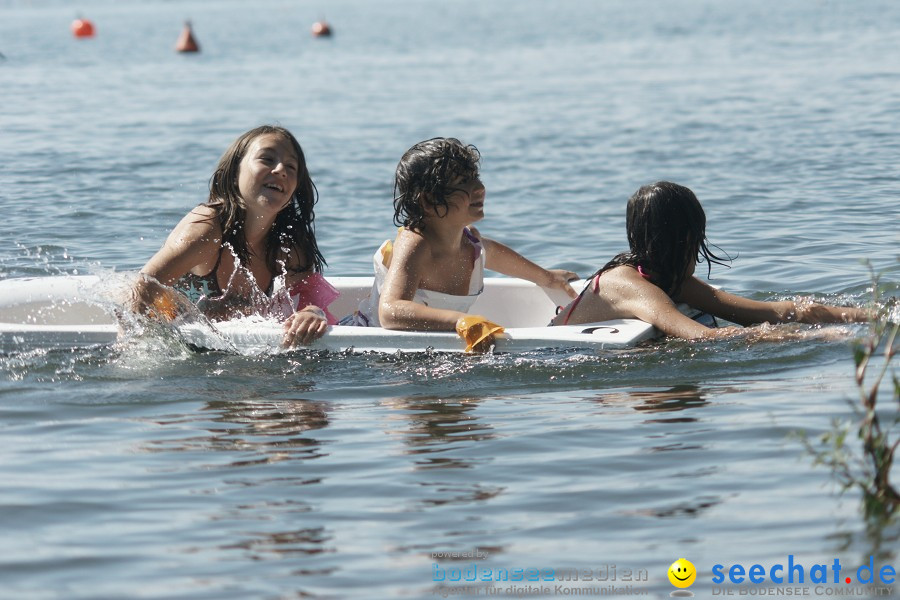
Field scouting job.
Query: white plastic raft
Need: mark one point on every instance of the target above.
(79, 311)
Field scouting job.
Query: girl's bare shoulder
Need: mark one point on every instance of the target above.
(622, 274)
(201, 223)
(411, 243)
(197, 232)
(623, 284)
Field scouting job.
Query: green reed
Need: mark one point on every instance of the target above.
(868, 466)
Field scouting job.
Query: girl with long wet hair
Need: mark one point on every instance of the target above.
(667, 238)
(251, 248)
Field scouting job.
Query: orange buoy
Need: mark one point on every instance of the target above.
(321, 29)
(82, 28)
(186, 41)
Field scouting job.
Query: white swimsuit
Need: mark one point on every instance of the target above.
(367, 315)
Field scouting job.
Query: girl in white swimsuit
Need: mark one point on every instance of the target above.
(367, 315)
(428, 278)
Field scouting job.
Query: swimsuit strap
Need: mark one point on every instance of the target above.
(468, 233)
(476, 244)
(215, 270)
(594, 285)
(212, 278)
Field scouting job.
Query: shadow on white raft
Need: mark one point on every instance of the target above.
(76, 311)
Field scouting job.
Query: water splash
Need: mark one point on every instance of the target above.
(243, 296)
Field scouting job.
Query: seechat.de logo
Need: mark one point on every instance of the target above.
(796, 572)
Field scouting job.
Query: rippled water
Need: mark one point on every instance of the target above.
(148, 470)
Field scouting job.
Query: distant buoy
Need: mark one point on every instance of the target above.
(321, 29)
(82, 28)
(186, 41)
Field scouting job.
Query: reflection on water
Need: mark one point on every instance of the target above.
(673, 456)
(434, 425)
(879, 539)
(267, 510)
(691, 508)
(460, 493)
(301, 541)
(448, 427)
(673, 399)
(267, 431)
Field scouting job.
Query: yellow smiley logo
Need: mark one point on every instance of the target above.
(682, 573)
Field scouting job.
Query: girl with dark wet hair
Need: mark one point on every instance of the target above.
(426, 177)
(251, 248)
(432, 273)
(667, 238)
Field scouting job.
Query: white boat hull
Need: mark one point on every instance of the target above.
(79, 311)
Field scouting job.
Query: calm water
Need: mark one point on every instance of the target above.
(150, 471)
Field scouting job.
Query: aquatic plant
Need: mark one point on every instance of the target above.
(869, 467)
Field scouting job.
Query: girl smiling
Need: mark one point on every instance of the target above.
(260, 208)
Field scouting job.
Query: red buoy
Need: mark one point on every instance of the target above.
(82, 28)
(321, 29)
(186, 41)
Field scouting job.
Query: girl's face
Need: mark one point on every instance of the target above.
(268, 173)
(466, 201)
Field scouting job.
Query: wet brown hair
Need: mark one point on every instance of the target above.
(427, 175)
(666, 230)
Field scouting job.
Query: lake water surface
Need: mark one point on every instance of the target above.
(151, 471)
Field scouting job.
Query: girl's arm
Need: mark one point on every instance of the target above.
(396, 309)
(744, 311)
(503, 259)
(304, 326)
(308, 323)
(629, 294)
(195, 242)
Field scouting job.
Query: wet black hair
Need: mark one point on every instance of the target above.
(293, 231)
(427, 174)
(666, 230)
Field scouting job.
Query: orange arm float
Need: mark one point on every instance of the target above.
(477, 332)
